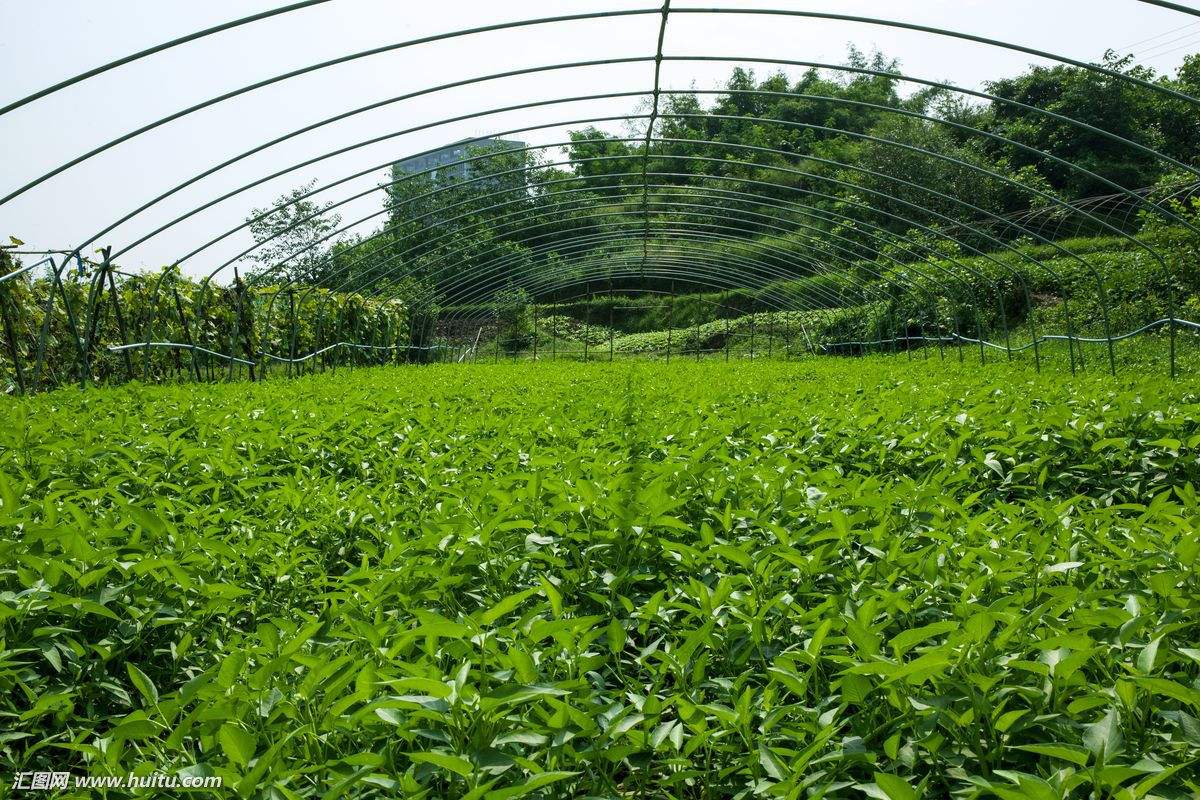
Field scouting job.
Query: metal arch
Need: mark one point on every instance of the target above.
(862, 187)
(739, 241)
(191, 37)
(901, 77)
(773, 273)
(313, 68)
(1172, 6)
(898, 76)
(713, 234)
(745, 266)
(612, 236)
(673, 269)
(911, 223)
(857, 187)
(809, 240)
(916, 150)
(687, 270)
(1119, 76)
(854, 70)
(722, 144)
(582, 121)
(922, 187)
(574, 299)
(657, 293)
(627, 292)
(680, 250)
(559, 208)
(603, 15)
(760, 200)
(709, 271)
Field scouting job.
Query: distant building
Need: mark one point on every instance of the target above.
(444, 165)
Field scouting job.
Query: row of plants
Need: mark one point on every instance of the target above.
(1084, 287)
(70, 343)
(820, 579)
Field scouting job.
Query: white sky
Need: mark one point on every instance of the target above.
(46, 41)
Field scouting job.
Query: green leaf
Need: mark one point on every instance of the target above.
(530, 785)
(896, 788)
(148, 520)
(1103, 738)
(616, 637)
(734, 554)
(903, 642)
(393, 715)
(1146, 658)
(771, 763)
(144, 685)
(1063, 752)
(238, 745)
(552, 594)
(1169, 688)
(506, 605)
(455, 764)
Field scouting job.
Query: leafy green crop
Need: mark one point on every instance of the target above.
(844, 578)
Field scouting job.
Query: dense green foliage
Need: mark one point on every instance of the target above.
(833, 578)
(829, 168)
(237, 320)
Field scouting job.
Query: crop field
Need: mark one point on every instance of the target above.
(847, 578)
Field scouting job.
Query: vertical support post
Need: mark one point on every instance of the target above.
(699, 301)
(151, 315)
(121, 327)
(71, 322)
(187, 330)
(770, 334)
(44, 333)
(235, 334)
(535, 333)
(587, 320)
(95, 303)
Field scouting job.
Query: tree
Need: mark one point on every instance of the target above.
(293, 238)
